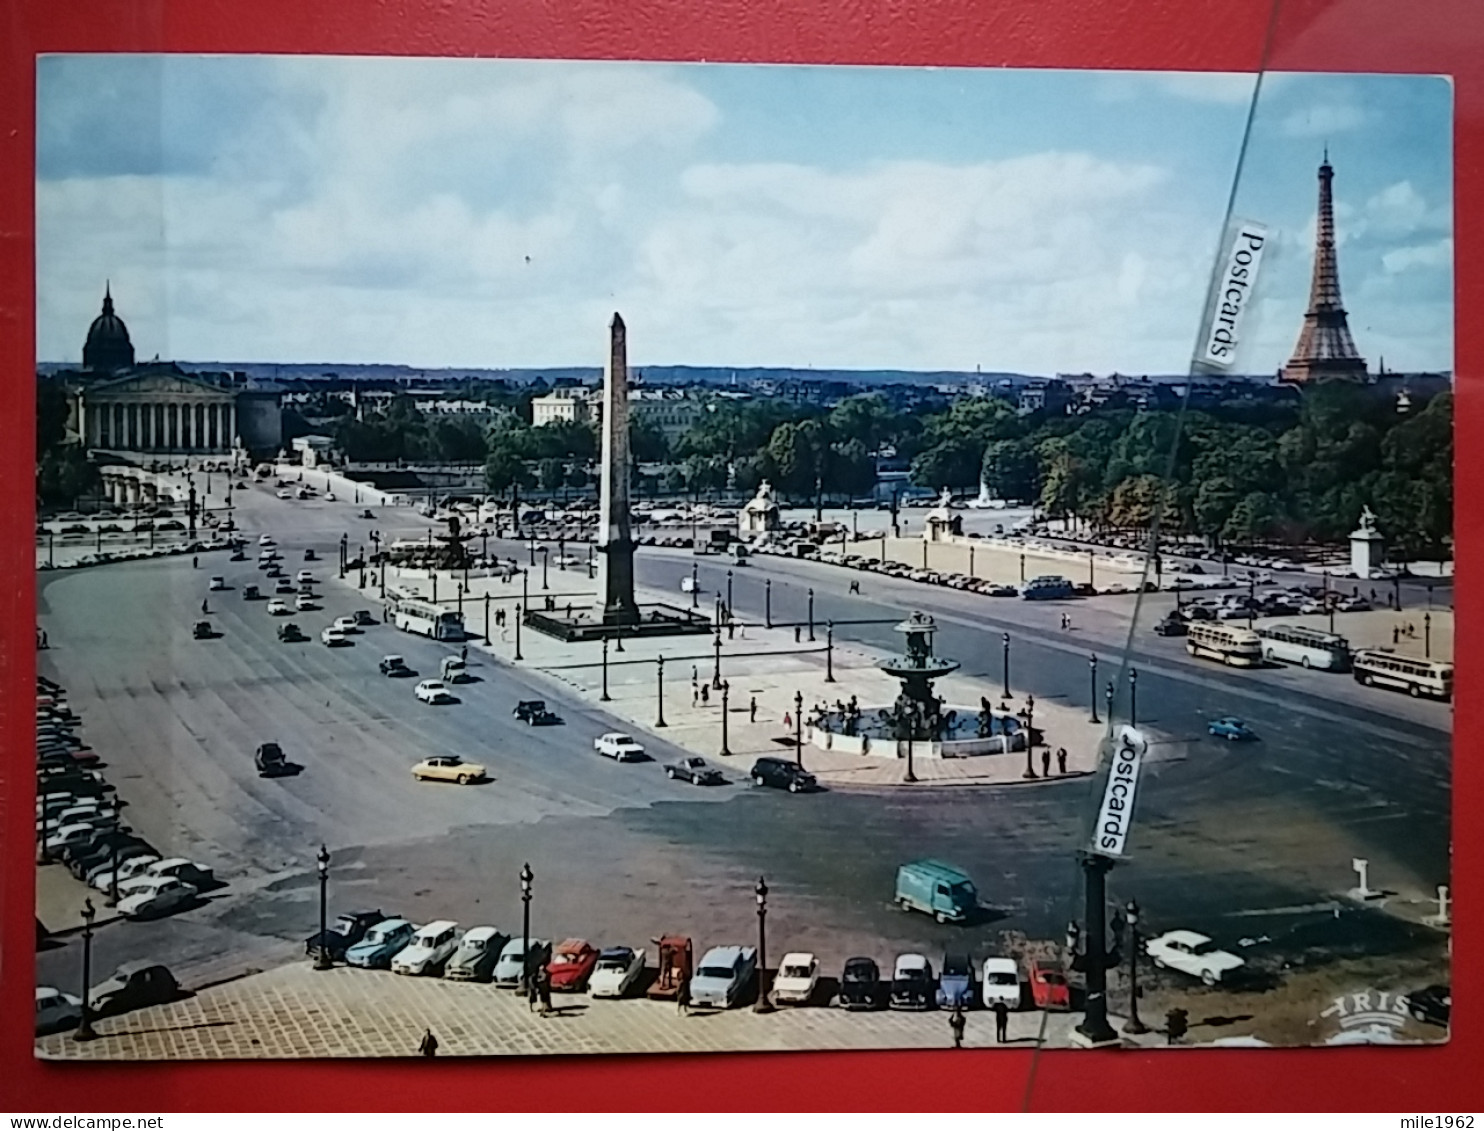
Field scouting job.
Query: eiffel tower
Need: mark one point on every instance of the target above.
(1325, 348)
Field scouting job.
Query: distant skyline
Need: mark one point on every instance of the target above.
(493, 214)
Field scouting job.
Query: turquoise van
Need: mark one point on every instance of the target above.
(936, 889)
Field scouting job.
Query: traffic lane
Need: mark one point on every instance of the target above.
(1385, 783)
(356, 732)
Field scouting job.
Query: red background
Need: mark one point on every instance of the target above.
(1433, 36)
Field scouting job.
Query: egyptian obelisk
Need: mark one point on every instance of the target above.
(614, 541)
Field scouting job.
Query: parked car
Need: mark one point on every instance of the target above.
(937, 889)
(270, 760)
(290, 633)
(216, 584)
(1433, 1004)
(363, 618)
(332, 637)
(1048, 981)
(798, 976)
(1232, 729)
(347, 625)
(428, 949)
(618, 970)
(473, 960)
(56, 1011)
(572, 964)
(780, 773)
(380, 944)
(433, 692)
(175, 868)
(304, 577)
(1171, 626)
(912, 983)
(133, 985)
(153, 896)
(619, 747)
(512, 960)
(956, 982)
(860, 984)
(277, 608)
(722, 976)
(394, 666)
(1001, 982)
(266, 540)
(528, 707)
(448, 767)
(304, 603)
(348, 929)
(1194, 954)
(696, 771)
(250, 593)
(201, 630)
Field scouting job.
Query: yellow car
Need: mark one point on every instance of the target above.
(449, 768)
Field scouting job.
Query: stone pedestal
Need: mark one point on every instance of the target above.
(1367, 548)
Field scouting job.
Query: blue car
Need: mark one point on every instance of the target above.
(380, 944)
(1231, 729)
(956, 982)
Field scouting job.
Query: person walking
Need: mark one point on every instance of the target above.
(705, 695)
(1046, 762)
(796, 634)
(532, 993)
(752, 710)
(855, 587)
(682, 997)
(195, 562)
(543, 989)
(1001, 1021)
(428, 1046)
(204, 609)
(464, 654)
(695, 691)
(1061, 759)
(956, 1023)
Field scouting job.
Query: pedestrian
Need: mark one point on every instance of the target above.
(752, 710)
(956, 1023)
(705, 695)
(464, 654)
(204, 609)
(532, 994)
(855, 586)
(796, 634)
(543, 988)
(1396, 634)
(1046, 762)
(695, 691)
(731, 629)
(1001, 1021)
(428, 1046)
(195, 562)
(788, 720)
(1061, 759)
(569, 610)
(682, 998)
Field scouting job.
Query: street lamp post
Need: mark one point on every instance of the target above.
(799, 729)
(562, 552)
(344, 544)
(811, 614)
(545, 559)
(605, 697)
(768, 602)
(459, 588)
(526, 876)
(829, 652)
(1133, 697)
(1427, 635)
(361, 554)
(487, 639)
(1133, 1024)
(695, 586)
(1108, 699)
(1093, 961)
(519, 616)
(322, 867)
(1092, 663)
(760, 891)
(729, 594)
(484, 546)
(1022, 568)
(659, 690)
(1005, 661)
(716, 655)
(726, 690)
(84, 1031)
(1091, 566)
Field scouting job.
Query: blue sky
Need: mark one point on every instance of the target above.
(495, 213)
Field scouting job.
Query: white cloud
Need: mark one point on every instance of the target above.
(1323, 120)
(1438, 254)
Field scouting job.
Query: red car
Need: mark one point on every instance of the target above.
(1048, 981)
(572, 965)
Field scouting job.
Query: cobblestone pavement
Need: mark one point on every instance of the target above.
(295, 1011)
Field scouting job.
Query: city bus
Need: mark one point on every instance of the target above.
(413, 614)
(1381, 668)
(1307, 647)
(1239, 647)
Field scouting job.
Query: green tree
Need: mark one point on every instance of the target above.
(1010, 469)
(1136, 500)
(504, 470)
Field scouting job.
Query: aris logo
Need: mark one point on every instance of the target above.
(1368, 1009)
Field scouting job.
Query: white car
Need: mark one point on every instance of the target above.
(217, 584)
(68, 835)
(304, 603)
(346, 624)
(433, 691)
(171, 868)
(159, 896)
(618, 970)
(429, 949)
(1192, 953)
(798, 974)
(333, 637)
(277, 608)
(131, 869)
(1001, 982)
(513, 958)
(329, 496)
(266, 540)
(285, 493)
(55, 1010)
(304, 577)
(619, 747)
(82, 813)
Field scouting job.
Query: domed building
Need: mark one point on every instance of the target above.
(108, 349)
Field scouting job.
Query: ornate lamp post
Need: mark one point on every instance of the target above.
(659, 690)
(322, 868)
(1251, 595)
(1030, 739)
(716, 669)
(376, 557)
(84, 1031)
(562, 552)
(695, 586)
(829, 652)
(361, 555)
(799, 729)
(1005, 661)
(1093, 958)
(1133, 1025)
(344, 546)
(526, 876)
(519, 616)
(726, 688)
(1427, 635)
(1133, 697)
(487, 616)
(811, 615)
(1108, 699)
(1092, 662)
(605, 697)
(729, 594)
(768, 602)
(545, 559)
(760, 891)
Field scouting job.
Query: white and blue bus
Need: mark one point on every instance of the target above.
(1379, 667)
(413, 614)
(1307, 647)
(1237, 647)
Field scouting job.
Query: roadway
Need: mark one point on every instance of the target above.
(1231, 840)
